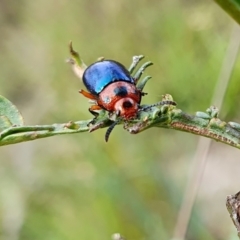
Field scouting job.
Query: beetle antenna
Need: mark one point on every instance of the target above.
(109, 130)
(167, 102)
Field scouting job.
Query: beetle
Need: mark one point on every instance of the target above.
(112, 88)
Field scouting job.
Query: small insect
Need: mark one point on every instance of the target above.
(110, 84)
(113, 89)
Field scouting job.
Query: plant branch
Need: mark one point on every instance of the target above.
(205, 124)
(163, 114)
(17, 134)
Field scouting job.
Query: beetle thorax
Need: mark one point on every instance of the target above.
(120, 97)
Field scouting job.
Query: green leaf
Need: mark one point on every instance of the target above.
(232, 7)
(76, 61)
(9, 114)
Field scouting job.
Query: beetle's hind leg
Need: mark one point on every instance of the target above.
(87, 94)
(93, 109)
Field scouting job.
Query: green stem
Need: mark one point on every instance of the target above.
(28, 133)
(176, 119)
(167, 116)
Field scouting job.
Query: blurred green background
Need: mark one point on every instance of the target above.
(77, 186)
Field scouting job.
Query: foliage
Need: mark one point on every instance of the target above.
(78, 187)
(232, 7)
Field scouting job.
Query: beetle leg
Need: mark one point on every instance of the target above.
(87, 94)
(144, 93)
(93, 108)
